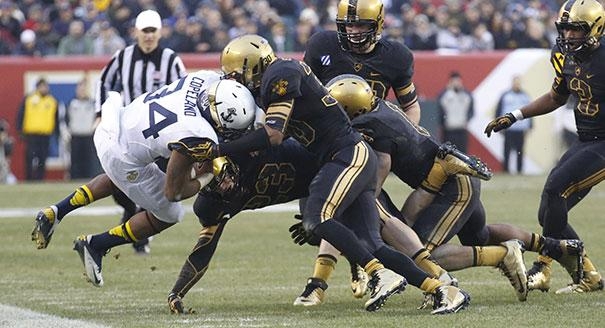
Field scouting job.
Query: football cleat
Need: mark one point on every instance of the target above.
(383, 284)
(591, 282)
(44, 226)
(175, 303)
(91, 259)
(447, 279)
(513, 267)
(449, 299)
(359, 281)
(454, 161)
(538, 276)
(572, 258)
(313, 294)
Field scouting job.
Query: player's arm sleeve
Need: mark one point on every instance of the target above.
(108, 80)
(278, 115)
(557, 60)
(285, 88)
(405, 90)
(199, 149)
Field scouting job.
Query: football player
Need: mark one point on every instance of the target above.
(341, 204)
(356, 47)
(180, 121)
(455, 208)
(258, 180)
(578, 59)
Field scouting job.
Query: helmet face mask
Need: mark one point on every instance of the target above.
(229, 107)
(353, 93)
(580, 26)
(246, 58)
(359, 24)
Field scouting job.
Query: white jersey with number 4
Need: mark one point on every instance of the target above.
(154, 120)
(130, 139)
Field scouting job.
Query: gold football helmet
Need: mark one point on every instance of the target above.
(353, 93)
(246, 58)
(368, 13)
(582, 15)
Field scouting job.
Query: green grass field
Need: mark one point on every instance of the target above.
(257, 272)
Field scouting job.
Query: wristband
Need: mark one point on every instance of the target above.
(517, 114)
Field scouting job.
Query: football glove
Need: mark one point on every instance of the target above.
(500, 123)
(300, 236)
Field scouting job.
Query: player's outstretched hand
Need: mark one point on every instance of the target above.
(500, 123)
(299, 234)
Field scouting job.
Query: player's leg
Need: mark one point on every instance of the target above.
(146, 189)
(213, 212)
(48, 218)
(335, 187)
(446, 298)
(325, 263)
(195, 266)
(457, 210)
(578, 170)
(141, 247)
(396, 234)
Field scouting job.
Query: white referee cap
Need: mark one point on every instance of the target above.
(148, 18)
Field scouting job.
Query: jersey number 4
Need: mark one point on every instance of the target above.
(154, 128)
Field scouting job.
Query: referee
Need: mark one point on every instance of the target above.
(139, 68)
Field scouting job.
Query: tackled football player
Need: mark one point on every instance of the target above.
(578, 60)
(297, 105)
(356, 47)
(129, 140)
(456, 208)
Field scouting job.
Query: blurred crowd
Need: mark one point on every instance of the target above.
(100, 27)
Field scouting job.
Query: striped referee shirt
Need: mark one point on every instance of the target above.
(133, 73)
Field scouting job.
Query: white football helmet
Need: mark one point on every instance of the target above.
(229, 107)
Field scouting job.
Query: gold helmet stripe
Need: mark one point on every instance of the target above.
(352, 11)
(569, 4)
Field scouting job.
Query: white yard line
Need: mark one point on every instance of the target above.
(116, 210)
(15, 317)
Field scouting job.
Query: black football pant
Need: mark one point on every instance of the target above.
(456, 210)
(578, 170)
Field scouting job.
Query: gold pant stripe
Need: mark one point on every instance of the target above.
(382, 212)
(589, 182)
(448, 220)
(344, 181)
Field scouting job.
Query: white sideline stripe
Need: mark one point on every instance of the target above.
(116, 210)
(15, 317)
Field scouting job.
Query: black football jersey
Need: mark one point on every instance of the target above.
(273, 176)
(389, 65)
(585, 82)
(316, 120)
(411, 147)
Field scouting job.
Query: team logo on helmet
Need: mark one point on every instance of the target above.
(228, 115)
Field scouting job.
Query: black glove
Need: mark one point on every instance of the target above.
(500, 123)
(300, 235)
